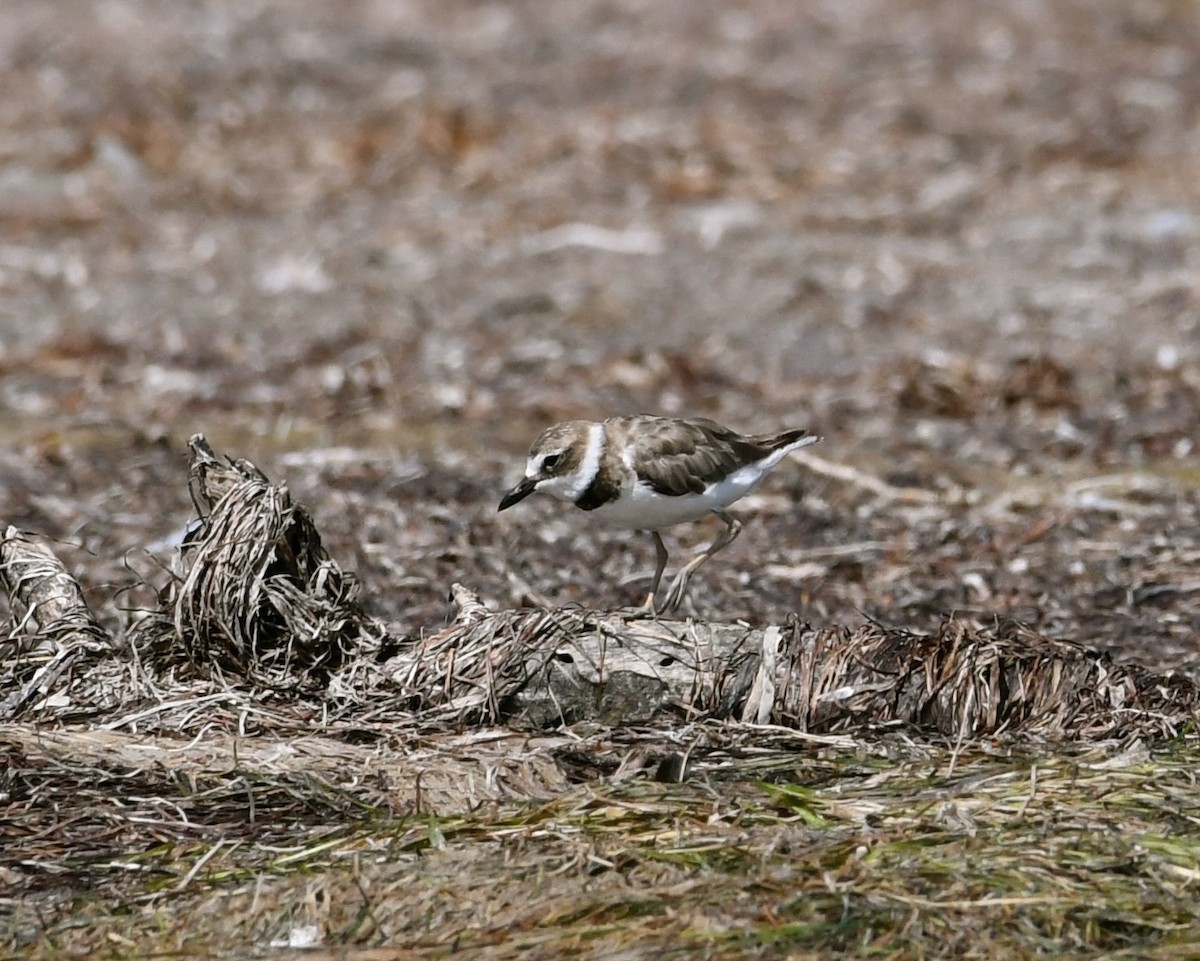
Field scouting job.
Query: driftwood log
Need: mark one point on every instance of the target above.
(54, 630)
(545, 668)
(258, 604)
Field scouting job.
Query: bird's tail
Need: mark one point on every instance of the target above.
(786, 440)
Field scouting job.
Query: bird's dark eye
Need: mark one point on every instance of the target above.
(550, 461)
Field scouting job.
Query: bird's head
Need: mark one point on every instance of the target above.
(562, 462)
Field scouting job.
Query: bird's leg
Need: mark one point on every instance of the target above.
(724, 539)
(661, 561)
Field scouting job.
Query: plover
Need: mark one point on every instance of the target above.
(648, 473)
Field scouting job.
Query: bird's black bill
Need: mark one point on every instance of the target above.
(518, 493)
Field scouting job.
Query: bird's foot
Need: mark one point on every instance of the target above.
(646, 611)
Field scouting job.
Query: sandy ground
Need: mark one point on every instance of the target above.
(376, 246)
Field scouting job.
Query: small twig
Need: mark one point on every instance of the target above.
(524, 589)
(868, 482)
(471, 608)
(962, 732)
(168, 706)
(196, 868)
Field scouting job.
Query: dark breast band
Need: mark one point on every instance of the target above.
(604, 488)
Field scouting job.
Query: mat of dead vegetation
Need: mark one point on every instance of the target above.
(261, 764)
(938, 700)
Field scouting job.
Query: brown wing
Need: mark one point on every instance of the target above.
(679, 457)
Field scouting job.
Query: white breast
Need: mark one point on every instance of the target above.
(643, 508)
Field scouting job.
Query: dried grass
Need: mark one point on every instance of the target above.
(261, 623)
(259, 596)
(772, 846)
(267, 766)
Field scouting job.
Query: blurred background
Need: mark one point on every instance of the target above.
(375, 246)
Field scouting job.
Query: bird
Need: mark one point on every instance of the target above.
(646, 472)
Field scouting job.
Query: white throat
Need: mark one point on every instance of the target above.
(570, 487)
